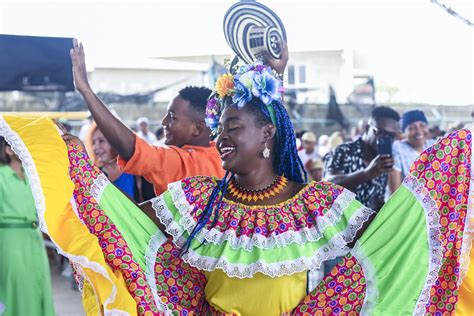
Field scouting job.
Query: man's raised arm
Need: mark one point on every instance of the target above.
(119, 135)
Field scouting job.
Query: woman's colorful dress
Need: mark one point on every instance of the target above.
(413, 259)
(25, 284)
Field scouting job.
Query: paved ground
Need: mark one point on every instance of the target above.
(67, 301)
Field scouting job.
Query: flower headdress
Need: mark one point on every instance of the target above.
(239, 87)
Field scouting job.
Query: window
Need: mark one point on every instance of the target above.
(302, 74)
(291, 74)
(296, 74)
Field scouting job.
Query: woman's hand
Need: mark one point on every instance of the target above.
(279, 65)
(67, 137)
(70, 139)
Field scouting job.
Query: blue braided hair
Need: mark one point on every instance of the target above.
(218, 191)
(286, 161)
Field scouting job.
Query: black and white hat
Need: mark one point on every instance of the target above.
(253, 31)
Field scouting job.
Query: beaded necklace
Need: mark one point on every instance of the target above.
(257, 195)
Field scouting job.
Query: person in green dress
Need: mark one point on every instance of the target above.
(25, 283)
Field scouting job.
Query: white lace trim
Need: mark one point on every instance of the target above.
(98, 186)
(433, 233)
(215, 236)
(371, 290)
(156, 240)
(81, 279)
(171, 226)
(336, 247)
(468, 233)
(276, 269)
(79, 276)
(19, 147)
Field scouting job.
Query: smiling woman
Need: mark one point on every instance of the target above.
(105, 157)
(260, 229)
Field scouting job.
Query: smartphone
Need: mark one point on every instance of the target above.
(384, 145)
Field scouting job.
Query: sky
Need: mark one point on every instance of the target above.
(413, 45)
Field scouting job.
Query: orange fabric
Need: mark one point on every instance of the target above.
(163, 165)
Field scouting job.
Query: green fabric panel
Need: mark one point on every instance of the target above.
(134, 225)
(290, 252)
(25, 283)
(396, 244)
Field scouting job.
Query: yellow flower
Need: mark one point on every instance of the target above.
(225, 85)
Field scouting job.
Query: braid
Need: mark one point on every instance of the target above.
(219, 189)
(286, 161)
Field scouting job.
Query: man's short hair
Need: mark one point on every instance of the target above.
(381, 112)
(197, 97)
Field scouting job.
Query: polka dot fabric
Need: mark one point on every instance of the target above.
(180, 286)
(341, 292)
(445, 169)
(114, 247)
(296, 214)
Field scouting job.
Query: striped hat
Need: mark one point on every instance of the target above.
(253, 31)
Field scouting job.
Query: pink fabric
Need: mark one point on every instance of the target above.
(314, 201)
(445, 170)
(115, 249)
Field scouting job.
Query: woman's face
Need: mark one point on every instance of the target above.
(417, 133)
(102, 149)
(240, 142)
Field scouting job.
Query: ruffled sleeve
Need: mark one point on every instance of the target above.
(282, 239)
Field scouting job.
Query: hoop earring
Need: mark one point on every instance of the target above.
(266, 152)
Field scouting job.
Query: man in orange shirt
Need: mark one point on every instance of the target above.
(190, 152)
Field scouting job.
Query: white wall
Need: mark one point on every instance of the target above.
(323, 68)
(129, 81)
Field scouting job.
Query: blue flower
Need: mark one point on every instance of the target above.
(244, 68)
(242, 94)
(266, 87)
(211, 122)
(247, 79)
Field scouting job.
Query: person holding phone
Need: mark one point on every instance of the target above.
(362, 165)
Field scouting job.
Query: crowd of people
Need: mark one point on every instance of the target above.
(351, 161)
(232, 188)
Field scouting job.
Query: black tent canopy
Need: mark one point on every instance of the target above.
(33, 63)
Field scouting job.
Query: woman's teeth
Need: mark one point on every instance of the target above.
(226, 151)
